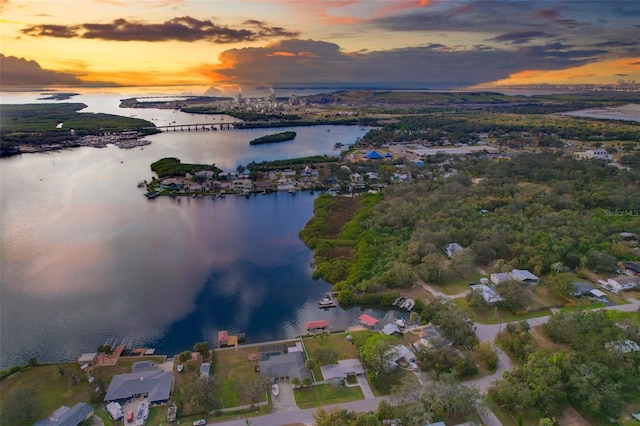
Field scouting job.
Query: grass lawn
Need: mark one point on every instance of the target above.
(317, 396)
(52, 390)
(233, 367)
(504, 316)
(457, 287)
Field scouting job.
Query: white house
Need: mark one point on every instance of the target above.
(622, 283)
(599, 153)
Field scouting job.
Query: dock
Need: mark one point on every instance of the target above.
(330, 300)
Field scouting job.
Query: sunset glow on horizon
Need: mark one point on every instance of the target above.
(413, 42)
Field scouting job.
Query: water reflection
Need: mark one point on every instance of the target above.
(86, 257)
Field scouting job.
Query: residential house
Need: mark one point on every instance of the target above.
(65, 416)
(451, 249)
(390, 329)
(145, 379)
(432, 337)
(500, 277)
(622, 283)
(488, 294)
(600, 154)
(632, 268)
(582, 289)
(341, 370)
(284, 367)
(524, 276)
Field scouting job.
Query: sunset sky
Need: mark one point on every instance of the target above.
(280, 42)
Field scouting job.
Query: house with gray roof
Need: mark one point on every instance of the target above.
(582, 289)
(488, 294)
(524, 276)
(500, 277)
(451, 249)
(145, 380)
(340, 371)
(65, 416)
(284, 366)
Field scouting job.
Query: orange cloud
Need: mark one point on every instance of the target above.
(604, 72)
(282, 54)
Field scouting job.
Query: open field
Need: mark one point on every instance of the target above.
(317, 396)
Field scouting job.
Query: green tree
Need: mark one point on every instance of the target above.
(184, 356)
(310, 364)
(377, 354)
(295, 382)
(486, 354)
(307, 381)
(203, 349)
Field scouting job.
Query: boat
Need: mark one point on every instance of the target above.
(180, 368)
(327, 302)
(275, 390)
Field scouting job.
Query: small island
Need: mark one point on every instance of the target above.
(276, 137)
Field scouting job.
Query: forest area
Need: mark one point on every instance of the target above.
(530, 211)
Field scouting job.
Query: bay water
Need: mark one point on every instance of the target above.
(85, 257)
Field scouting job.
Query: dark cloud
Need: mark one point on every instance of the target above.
(183, 28)
(300, 61)
(519, 37)
(21, 72)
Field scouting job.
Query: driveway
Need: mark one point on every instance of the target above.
(285, 401)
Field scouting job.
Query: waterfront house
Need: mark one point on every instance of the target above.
(65, 416)
(317, 326)
(87, 359)
(368, 321)
(223, 336)
(284, 366)
(145, 379)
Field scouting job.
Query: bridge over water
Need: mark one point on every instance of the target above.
(200, 127)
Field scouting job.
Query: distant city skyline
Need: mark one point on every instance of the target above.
(231, 44)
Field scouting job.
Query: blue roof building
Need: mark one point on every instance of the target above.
(373, 155)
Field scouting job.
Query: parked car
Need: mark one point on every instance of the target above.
(130, 417)
(414, 366)
(200, 422)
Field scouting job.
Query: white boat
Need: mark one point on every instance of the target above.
(275, 389)
(180, 368)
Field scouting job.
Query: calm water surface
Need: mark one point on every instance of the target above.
(86, 257)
